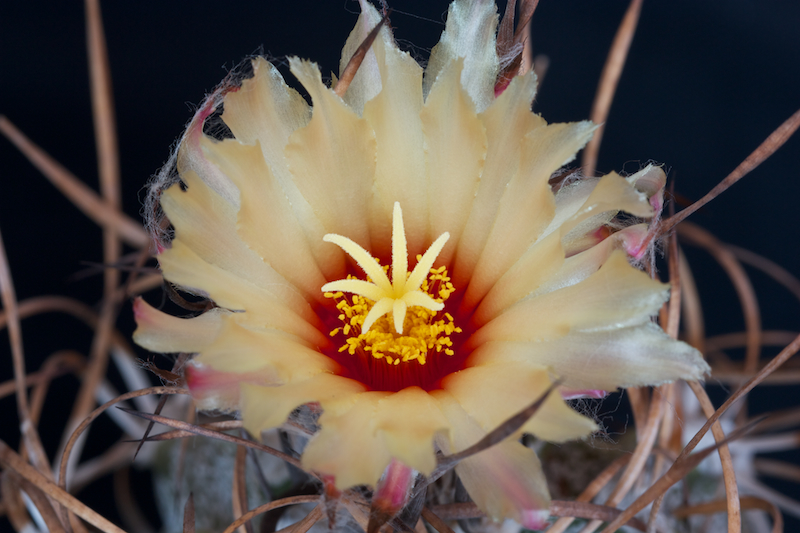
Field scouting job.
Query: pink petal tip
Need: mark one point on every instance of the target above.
(535, 519)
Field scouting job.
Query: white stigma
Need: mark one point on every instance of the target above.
(404, 289)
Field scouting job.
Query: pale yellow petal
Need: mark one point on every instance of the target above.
(615, 296)
(582, 265)
(507, 121)
(455, 151)
(245, 349)
(160, 332)
(651, 181)
(612, 194)
(527, 205)
(506, 480)
(394, 116)
(535, 268)
(264, 408)
(358, 440)
(205, 224)
(577, 200)
(408, 421)
(348, 445)
(589, 233)
(518, 384)
(266, 110)
(626, 357)
(601, 199)
(569, 199)
(266, 222)
(469, 34)
(543, 268)
(276, 305)
(332, 159)
(191, 159)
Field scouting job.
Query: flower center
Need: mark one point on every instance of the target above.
(391, 329)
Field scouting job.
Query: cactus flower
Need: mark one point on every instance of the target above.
(399, 258)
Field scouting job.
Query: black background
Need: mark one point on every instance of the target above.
(705, 83)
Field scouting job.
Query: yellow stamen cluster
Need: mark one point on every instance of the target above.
(402, 292)
(423, 333)
(413, 300)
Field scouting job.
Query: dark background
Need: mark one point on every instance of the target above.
(705, 83)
